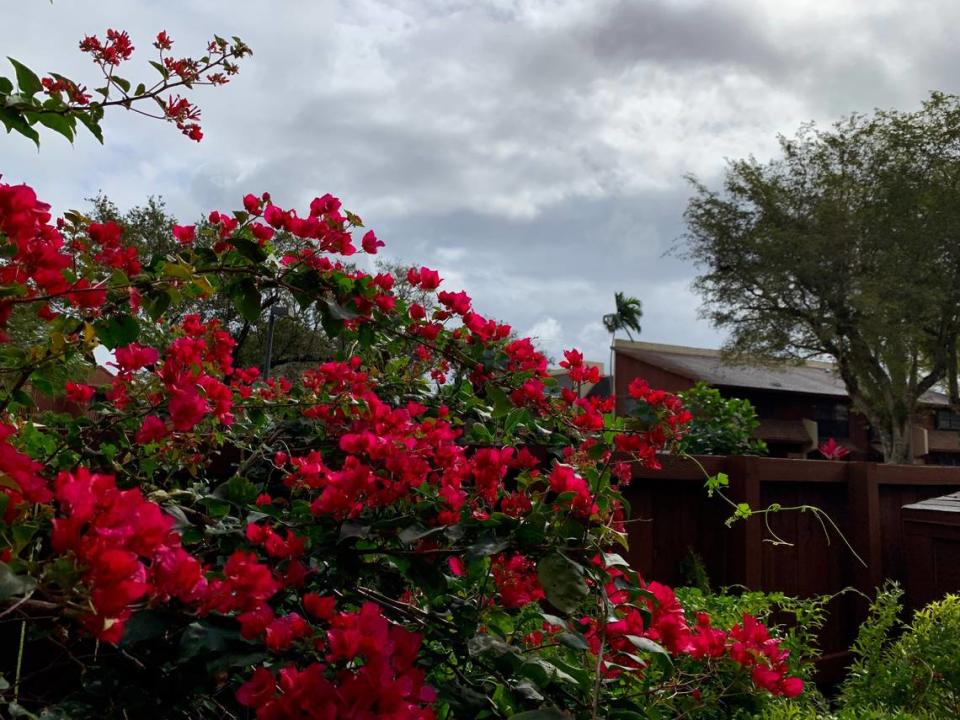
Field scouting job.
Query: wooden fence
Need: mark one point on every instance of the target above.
(673, 517)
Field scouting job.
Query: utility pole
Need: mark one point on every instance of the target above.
(275, 312)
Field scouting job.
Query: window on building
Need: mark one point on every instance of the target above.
(948, 420)
(833, 420)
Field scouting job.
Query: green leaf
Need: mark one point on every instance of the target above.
(339, 311)
(117, 331)
(480, 644)
(16, 710)
(527, 691)
(59, 123)
(500, 621)
(648, 645)
(14, 120)
(501, 403)
(503, 699)
(145, 625)
(366, 335)
(542, 714)
(238, 490)
(23, 533)
(715, 482)
(91, 124)
(12, 585)
(246, 298)
(249, 249)
(331, 325)
(27, 80)
(416, 532)
(203, 638)
(353, 530)
(562, 581)
(160, 69)
(177, 270)
(156, 303)
(614, 560)
(574, 641)
(543, 672)
(487, 546)
(215, 506)
(6, 87)
(121, 83)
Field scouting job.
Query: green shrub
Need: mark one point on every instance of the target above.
(796, 711)
(917, 672)
(721, 426)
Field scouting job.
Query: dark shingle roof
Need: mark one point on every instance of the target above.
(810, 378)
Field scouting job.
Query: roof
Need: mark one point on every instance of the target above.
(810, 378)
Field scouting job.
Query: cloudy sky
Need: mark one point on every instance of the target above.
(533, 150)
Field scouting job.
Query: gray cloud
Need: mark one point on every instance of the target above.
(534, 150)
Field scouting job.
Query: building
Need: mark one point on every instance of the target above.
(799, 406)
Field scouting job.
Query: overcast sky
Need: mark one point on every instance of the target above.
(532, 150)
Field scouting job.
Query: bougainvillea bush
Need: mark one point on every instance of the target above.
(421, 526)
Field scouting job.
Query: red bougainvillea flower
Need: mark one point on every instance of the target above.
(424, 278)
(185, 234)
(79, 393)
(516, 579)
(370, 243)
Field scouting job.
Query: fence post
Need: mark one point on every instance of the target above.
(747, 541)
(863, 493)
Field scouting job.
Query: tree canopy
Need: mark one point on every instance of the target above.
(844, 246)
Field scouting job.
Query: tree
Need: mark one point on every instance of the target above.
(626, 317)
(845, 246)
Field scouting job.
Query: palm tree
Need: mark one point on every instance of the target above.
(626, 317)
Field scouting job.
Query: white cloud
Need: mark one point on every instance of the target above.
(547, 334)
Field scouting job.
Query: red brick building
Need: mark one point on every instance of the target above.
(799, 406)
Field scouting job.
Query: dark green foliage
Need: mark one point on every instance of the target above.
(721, 426)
